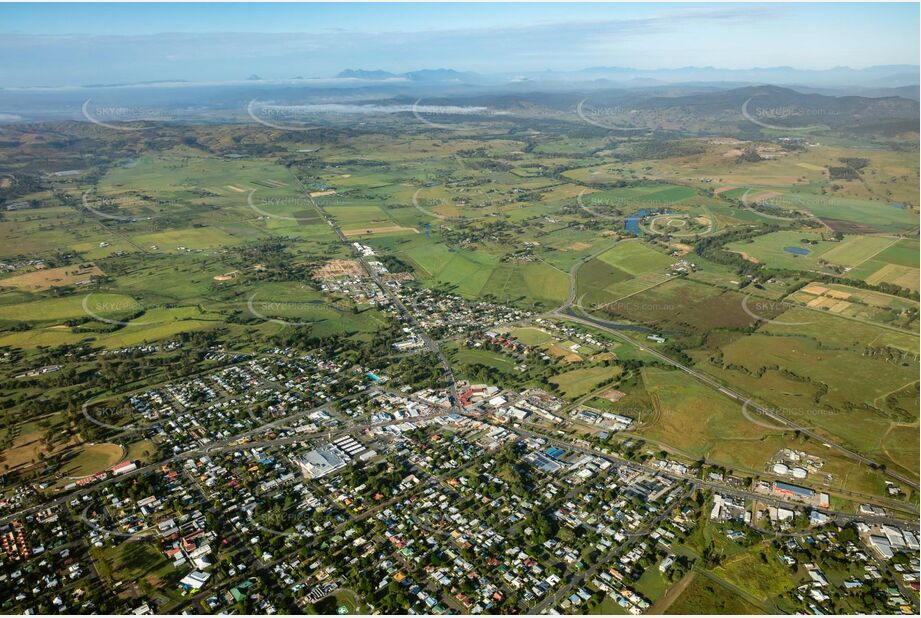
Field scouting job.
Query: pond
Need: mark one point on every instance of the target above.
(796, 250)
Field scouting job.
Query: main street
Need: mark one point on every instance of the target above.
(430, 343)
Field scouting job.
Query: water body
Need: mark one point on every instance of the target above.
(796, 250)
(632, 223)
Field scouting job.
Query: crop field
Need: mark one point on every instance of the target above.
(802, 369)
(624, 270)
(850, 215)
(847, 301)
(482, 274)
(46, 278)
(635, 258)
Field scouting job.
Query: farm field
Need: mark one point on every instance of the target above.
(847, 301)
(789, 367)
(787, 250)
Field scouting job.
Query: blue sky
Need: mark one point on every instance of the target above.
(70, 44)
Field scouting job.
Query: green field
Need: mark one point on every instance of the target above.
(578, 382)
(704, 596)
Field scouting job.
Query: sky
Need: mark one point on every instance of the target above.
(109, 43)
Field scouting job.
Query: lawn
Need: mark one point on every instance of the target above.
(91, 458)
(530, 335)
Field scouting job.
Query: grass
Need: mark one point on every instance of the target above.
(704, 596)
(864, 255)
(531, 336)
(92, 458)
(481, 273)
(607, 607)
(635, 258)
(681, 305)
(578, 382)
(472, 356)
(758, 572)
(651, 584)
(873, 215)
(700, 422)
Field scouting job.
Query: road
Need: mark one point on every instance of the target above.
(712, 485)
(603, 561)
(430, 343)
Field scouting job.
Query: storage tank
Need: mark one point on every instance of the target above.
(780, 468)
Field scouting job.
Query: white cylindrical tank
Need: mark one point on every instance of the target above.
(780, 468)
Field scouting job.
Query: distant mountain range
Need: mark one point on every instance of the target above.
(423, 75)
(845, 79)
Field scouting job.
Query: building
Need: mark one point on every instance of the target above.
(321, 461)
(124, 467)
